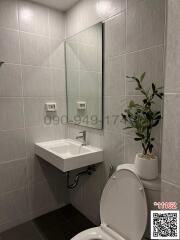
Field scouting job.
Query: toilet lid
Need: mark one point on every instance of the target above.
(123, 205)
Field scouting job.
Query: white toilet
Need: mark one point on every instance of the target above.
(123, 208)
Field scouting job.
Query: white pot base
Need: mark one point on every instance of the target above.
(147, 168)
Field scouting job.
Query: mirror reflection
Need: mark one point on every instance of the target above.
(84, 77)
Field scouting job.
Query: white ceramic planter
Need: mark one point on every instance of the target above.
(147, 168)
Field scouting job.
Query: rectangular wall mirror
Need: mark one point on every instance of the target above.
(84, 77)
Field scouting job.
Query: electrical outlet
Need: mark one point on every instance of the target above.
(50, 107)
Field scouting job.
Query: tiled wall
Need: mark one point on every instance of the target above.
(31, 44)
(134, 43)
(171, 126)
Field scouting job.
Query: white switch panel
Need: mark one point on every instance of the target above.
(81, 105)
(50, 107)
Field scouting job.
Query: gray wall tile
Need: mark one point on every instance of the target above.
(145, 27)
(42, 197)
(170, 192)
(27, 81)
(8, 14)
(173, 48)
(12, 109)
(12, 145)
(13, 206)
(150, 61)
(115, 75)
(34, 49)
(57, 54)
(35, 111)
(56, 24)
(37, 82)
(13, 175)
(171, 140)
(115, 36)
(10, 81)
(33, 18)
(58, 76)
(9, 46)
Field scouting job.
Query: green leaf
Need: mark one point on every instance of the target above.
(142, 76)
(131, 104)
(127, 128)
(140, 135)
(137, 139)
(153, 87)
(159, 95)
(156, 123)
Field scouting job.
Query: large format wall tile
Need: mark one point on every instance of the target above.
(14, 206)
(151, 62)
(37, 82)
(12, 117)
(42, 197)
(113, 107)
(145, 25)
(12, 145)
(13, 175)
(33, 18)
(171, 139)
(170, 192)
(8, 14)
(57, 54)
(115, 76)
(34, 49)
(57, 24)
(59, 81)
(109, 8)
(115, 36)
(9, 46)
(27, 82)
(113, 145)
(10, 81)
(35, 111)
(173, 48)
(87, 13)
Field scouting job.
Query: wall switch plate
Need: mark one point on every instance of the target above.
(81, 105)
(50, 107)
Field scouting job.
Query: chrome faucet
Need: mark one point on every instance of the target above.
(83, 137)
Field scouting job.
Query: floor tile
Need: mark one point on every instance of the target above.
(62, 224)
(23, 231)
(69, 211)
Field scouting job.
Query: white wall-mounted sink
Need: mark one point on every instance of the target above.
(67, 154)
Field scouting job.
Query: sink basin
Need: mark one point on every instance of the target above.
(67, 154)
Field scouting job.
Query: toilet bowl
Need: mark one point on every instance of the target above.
(123, 208)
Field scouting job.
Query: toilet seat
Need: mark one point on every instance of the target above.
(123, 209)
(96, 233)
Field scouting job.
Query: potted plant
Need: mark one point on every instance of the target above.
(142, 118)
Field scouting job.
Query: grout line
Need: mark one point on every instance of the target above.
(170, 183)
(136, 51)
(15, 190)
(13, 160)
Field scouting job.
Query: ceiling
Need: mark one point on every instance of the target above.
(62, 5)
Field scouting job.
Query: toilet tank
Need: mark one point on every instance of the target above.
(153, 194)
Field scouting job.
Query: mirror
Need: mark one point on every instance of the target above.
(84, 77)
